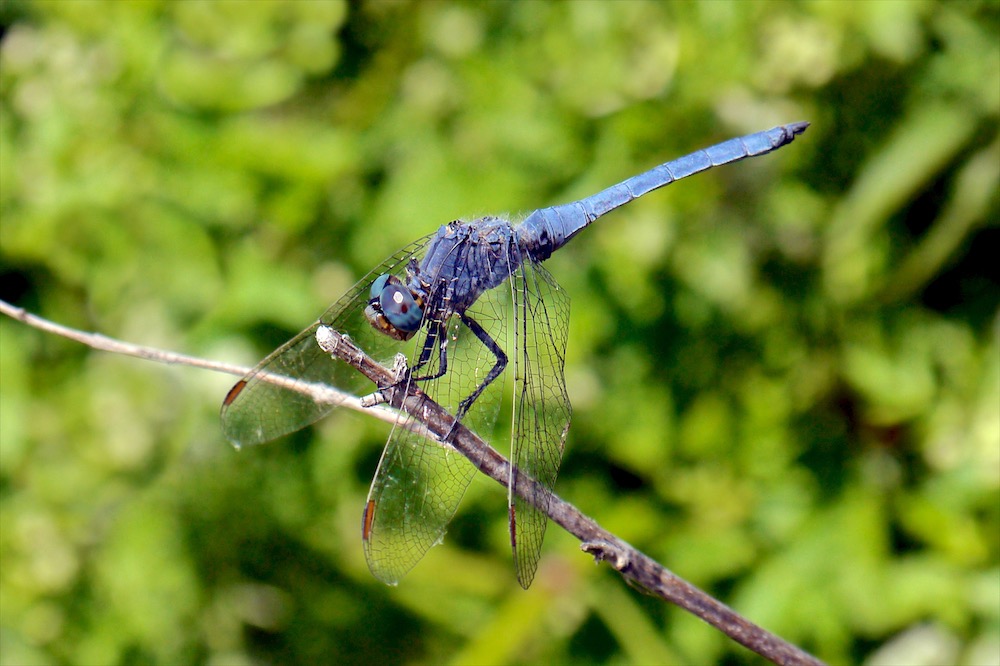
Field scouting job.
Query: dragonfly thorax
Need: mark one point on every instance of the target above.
(464, 260)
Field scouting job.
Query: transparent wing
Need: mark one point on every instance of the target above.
(273, 399)
(541, 405)
(420, 482)
(415, 493)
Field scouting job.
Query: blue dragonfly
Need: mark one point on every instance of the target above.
(477, 294)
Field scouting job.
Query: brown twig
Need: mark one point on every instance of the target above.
(634, 566)
(319, 393)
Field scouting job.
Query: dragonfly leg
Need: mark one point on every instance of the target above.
(438, 331)
(494, 372)
(400, 372)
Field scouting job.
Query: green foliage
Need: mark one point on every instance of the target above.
(785, 373)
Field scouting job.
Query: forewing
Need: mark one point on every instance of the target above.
(420, 482)
(284, 393)
(541, 405)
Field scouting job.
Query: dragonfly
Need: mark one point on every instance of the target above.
(466, 305)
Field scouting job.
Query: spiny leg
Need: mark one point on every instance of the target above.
(437, 331)
(494, 372)
(405, 375)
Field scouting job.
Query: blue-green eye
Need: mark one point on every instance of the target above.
(400, 308)
(378, 285)
(393, 309)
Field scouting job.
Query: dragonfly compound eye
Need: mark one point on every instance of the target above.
(392, 308)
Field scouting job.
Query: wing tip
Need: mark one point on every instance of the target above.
(367, 518)
(234, 393)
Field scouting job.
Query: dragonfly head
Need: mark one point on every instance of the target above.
(393, 309)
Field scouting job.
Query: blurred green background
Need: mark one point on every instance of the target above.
(785, 372)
